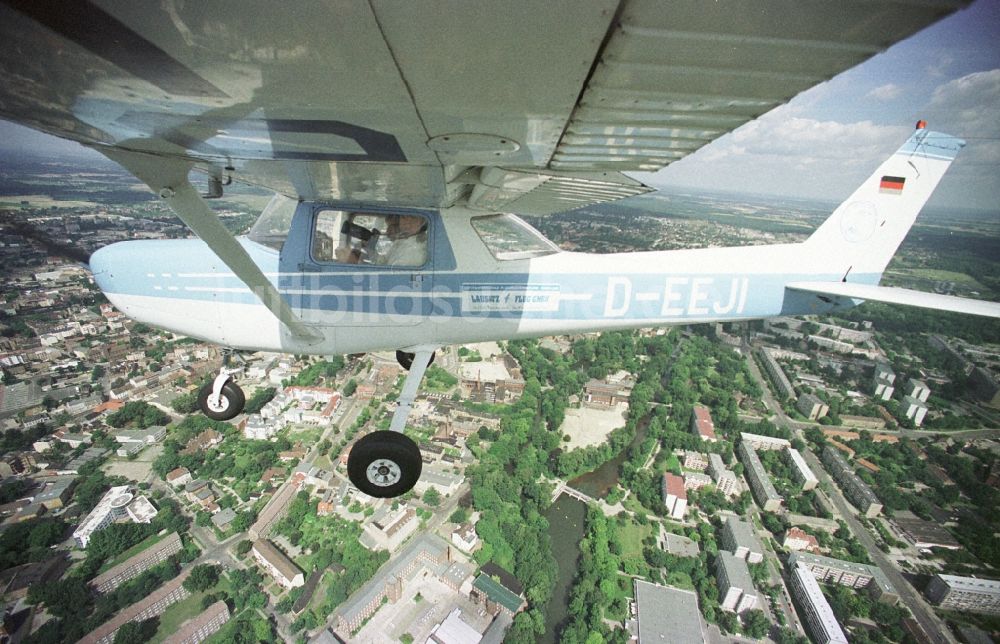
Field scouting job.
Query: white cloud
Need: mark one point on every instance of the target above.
(886, 92)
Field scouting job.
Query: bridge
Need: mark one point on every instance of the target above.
(563, 487)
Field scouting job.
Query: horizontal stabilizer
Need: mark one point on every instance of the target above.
(892, 295)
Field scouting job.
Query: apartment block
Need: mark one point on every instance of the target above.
(696, 480)
(800, 470)
(274, 510)
(738, 538)
(137, 564)
(702, 424)
(818, 615)
(856, 490)
(847, 573)
(695, 461)
(736, 591)
(277, 564)
(759, 442)
(965, 594)
(810, 406)
(201, 627)
(725, 479)
(782, 386)
(674, 496)
(154, 604)
(760, 484)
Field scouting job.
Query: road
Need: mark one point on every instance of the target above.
(924, 615)
(921, 611)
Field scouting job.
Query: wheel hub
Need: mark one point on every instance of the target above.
(218, 403)
(383, 472)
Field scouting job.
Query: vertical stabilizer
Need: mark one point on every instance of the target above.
(864, 232)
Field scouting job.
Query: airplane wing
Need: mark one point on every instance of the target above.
(893, 295)
(529, 106)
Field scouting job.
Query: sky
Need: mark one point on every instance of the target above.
(827, 140)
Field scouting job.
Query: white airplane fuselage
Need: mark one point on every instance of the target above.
(180, 285)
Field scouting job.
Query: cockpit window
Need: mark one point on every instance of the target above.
(362, 238)
(509, 237)
(272, 227)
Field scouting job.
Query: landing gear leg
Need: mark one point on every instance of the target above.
(386, 464)
(222, 399)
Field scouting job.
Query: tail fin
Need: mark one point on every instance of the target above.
(865, 231)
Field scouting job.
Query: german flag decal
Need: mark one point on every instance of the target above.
(892, 185)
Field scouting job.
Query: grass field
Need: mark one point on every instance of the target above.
(631, 536)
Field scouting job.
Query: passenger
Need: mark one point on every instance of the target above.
(408, 234)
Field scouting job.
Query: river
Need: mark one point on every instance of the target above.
(599, 482)
(566, 523)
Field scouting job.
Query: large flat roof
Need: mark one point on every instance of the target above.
(667, 612)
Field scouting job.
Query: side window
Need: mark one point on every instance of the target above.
(343, 237)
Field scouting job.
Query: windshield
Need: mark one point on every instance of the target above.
(509, 237)
(272, 227)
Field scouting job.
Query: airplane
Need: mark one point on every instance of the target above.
(400, 139)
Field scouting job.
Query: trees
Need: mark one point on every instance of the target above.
(202, 577)
(138, 413)
(756, 624)
(432, 497)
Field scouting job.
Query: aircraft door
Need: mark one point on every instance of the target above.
(365, 269)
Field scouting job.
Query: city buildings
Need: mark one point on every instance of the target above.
(117, 504)
(884, 381)
(965, 594)
(277, 564)
(696, 480)
(674, 496)
(736, 591)
(389, 528)
(847, 573)
(782, 386)
(725, 479)
(665, 613)
(179, 476)
(758, 442)
(818, 615)
(856, 490)
(799, 539)
(426, 551)
(696, 460)
(273, 511)
(702, 425)
(800, 470)
(760, 484)
(738, 538)
(138, 563)
(152, 605)
(200, 628)
(914, 409)
(810, 406)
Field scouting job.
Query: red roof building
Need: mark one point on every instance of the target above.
(702, 425)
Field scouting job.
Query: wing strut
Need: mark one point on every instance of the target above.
(169, 179)
(421, 360)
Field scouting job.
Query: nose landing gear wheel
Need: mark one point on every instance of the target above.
(229, 404)
(384, 464)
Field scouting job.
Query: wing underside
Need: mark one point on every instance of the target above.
(533, 106)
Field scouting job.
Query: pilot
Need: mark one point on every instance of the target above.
(408, 234)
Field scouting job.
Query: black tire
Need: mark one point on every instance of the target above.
(384, 450)
(405, 359)
(231, 403)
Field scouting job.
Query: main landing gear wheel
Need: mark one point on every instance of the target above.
(405, 359)
(229, 404)
(384, 464)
